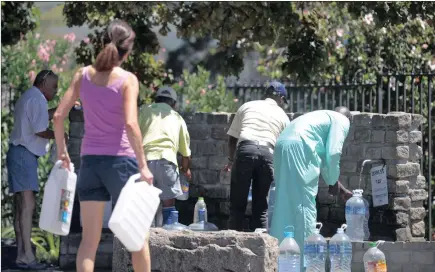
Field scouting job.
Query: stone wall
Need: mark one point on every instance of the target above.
(393, 137)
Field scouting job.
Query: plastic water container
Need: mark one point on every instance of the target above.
(58, 201)
(289, 253)
(315, 249)
(366, 220)
(374, 259)
(174, 225)
(134, 213)
(184, 188)
(202, 224)
(355, 216)
(200, 204)
(340, 251)
(271, 202)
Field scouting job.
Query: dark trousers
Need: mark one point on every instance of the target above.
(252, 162)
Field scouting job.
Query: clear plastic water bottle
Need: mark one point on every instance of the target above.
(184, 188)
(366, 220)
(340, 251)
(250, 194)
(374, 259)
(289, 253)
(315, 249)
(198, 206)
(271, 205)
(173, 222)
(355, 216)
(202, 224)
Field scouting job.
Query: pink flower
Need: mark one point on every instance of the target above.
(32, 75)
(37, 35)
(340, 32)
(163, 50)
(54, 68)
(368, 19)
(165, 75)
(145, 82)
(60, 70)
(180, 83)
(86, 40)
(203, 91)
(338, 45)
(425, 46)
(33, 62)
(187, 102)
(63, 62)
(210, 86)
(71, 37)
(43, 54)
(236, 100)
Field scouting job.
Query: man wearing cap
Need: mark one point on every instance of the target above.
(251, 141)
(164, 135)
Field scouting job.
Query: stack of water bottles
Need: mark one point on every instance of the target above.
(357, 217)
(200, 219)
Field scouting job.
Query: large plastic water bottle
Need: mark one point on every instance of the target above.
(366, 220)
(355, 216)
(289, 253)
(271, 206)
(340, 251)
(200, 204)
(374, 259)
(202, 224)
(315, 249)
(173, 222)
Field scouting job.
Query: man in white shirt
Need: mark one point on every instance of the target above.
(28, 141)
(252, 138)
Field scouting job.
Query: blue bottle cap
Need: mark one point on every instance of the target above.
(289, 234)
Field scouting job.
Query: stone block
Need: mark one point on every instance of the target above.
(419, 182)
(205, 177)
(397, 137)
(415, 152)
(324, 197)
(355, 151)
(418, 194)
(403, 234)
(362, 135)
(422, 257)
(399, 257)
(403, 170)
(398, 186)
(417, 204)
(355, 183)
(417, 120)
(402, 219)
(198, 251)
(215, 191)
(348, 167)
(224, 177)
(378, 121)
(219, 133)
(398, 121)
(378, 136)
(218, 118)
(199, 162)
(395, 152)
(415, 137)
(217, 162)
(195, 118)
(364, 119)
(401, 204)
(417, 214)
(76, 130)
(203, 148)
(199, 132)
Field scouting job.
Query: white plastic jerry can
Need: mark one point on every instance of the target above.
(58, 201)
(134, 213)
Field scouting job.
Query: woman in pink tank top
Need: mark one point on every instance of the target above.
(112, 144)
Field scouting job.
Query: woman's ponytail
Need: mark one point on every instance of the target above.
(107, 59)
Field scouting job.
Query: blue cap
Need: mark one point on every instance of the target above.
(289, 234)
(278, 89)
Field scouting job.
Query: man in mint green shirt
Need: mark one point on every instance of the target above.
(164, 135)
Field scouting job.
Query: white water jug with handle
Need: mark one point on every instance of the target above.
(58, 201)
(134, 213)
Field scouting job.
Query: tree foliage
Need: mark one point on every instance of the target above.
(17, 19)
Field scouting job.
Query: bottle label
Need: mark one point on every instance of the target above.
(355, 210)
(314, 249)
(201, 215)
(377, 266)
(340, 249)
(65, 206)
(185, 187)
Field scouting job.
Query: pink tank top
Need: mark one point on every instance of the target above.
(105, 132)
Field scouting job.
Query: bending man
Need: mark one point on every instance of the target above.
(309, 146)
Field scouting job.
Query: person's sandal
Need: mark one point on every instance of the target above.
(31, 266)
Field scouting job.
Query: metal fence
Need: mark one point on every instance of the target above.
(410, 93)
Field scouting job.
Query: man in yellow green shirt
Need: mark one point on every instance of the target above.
(164, 135)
